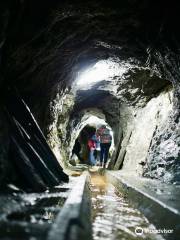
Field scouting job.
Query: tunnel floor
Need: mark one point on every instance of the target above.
(112, 216)
(31, 215)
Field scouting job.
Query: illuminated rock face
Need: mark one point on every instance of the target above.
(44, 50)
(154, 115)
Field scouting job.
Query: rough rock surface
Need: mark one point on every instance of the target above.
(44, 45)
(146, 121)
(164, 153)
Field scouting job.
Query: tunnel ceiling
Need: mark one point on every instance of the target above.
(46, 44)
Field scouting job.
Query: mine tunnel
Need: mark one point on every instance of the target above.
(67, 68)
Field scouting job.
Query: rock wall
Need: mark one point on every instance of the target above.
(60, 109)
(164, 153)
(144, 126)
(4, 146)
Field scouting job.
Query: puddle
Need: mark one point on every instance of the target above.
(112, 216)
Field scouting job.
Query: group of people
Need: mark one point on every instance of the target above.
(99, 145)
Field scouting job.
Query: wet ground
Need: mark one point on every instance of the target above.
(30, 215)
(113, 217)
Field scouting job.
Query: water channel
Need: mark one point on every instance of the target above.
(113, 218)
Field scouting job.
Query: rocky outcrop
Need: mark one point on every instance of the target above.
(164, 153)
(57, 136)
(145, 123)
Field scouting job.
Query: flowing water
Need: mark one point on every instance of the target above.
(112, 216)
(31, 215)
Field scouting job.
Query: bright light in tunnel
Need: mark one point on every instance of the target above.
(93, 120)
(95, 74)
(102, 70)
